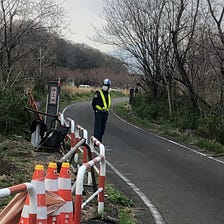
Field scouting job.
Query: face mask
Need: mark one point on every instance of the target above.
(105, 88)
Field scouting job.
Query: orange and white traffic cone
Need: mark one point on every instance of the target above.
(38, 183)
(64, 190)
(24, 218)
(51, 185)
(35, 213)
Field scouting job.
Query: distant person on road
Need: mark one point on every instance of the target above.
(101, 104)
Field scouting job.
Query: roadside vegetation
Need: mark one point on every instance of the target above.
(15, 151)
(185, 125)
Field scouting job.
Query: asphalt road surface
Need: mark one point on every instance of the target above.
(172, 183)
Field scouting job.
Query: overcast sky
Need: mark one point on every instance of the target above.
(83, 14)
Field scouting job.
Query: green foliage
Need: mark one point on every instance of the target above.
(153, 110)
(13, 118)
(75, 97)
(186, 124)
(211, 127)
(39, 86)
(211, 146)
(125, 217)
(115, 93)
(157, 111)
(118, 198)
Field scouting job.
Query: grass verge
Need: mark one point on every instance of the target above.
(216, 149)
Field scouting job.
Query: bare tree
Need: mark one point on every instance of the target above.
(20, 22)
(135, 27)
(172, 43)
(216, 9)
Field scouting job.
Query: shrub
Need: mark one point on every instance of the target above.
(184, 116)
(153, 110)
(13, 118)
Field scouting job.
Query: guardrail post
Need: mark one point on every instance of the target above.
(72, 134)
(78, 193)
(101, 183)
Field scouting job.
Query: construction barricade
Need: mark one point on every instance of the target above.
(101, 183)
(32, 203)
(50, 195)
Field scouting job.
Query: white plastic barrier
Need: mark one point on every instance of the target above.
(101, 182)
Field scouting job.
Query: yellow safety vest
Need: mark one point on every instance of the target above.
(105, 106)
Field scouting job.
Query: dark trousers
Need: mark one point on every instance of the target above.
(100, 124)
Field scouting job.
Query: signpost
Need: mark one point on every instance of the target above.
(52, 103)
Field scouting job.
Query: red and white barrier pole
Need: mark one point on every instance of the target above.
(78, 193)
(15, 189)
(102, 174)
(72, 133)
(61, 118)
(32, 208)
(101, 183)
(85, 136)
(79, 183)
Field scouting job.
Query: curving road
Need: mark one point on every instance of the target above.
(176, 184)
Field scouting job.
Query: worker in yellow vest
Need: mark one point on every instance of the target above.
(101, 104)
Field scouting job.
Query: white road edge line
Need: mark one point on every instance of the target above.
(153, 210)
(155, 213)
(168, 140)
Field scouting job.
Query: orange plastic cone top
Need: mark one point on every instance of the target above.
(51, 185)
(64, 190)
(38, 183)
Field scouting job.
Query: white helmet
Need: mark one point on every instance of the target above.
(106, 82)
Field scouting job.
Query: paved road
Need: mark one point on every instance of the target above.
(183, 186)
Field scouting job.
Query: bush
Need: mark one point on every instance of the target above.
(211, 127)
(185, 121)
(152, 110)
(13, 118)
(184, 116)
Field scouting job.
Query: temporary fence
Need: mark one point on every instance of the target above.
(37, 208)
(101, 183)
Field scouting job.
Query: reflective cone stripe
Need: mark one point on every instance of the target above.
(64, 190)
(24, 219)
(38, 183)
(51, 185)
(51, 179)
